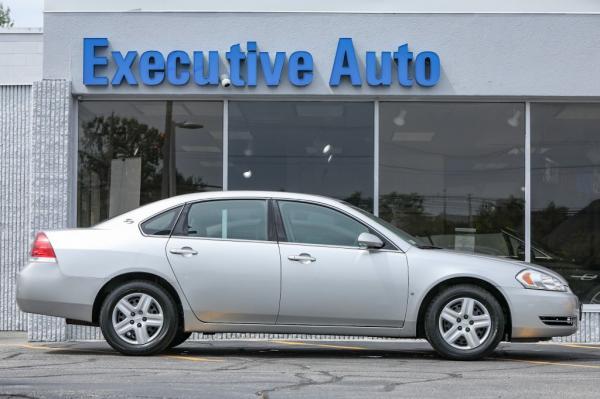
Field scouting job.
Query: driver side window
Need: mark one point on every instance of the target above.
(314, 224)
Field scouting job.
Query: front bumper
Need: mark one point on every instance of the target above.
(528, 307)
(42, 288)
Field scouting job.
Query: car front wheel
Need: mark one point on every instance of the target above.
(464, 322)
(139, 318)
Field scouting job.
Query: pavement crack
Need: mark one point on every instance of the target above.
(446, 376)
(304, 382)
(11, 356)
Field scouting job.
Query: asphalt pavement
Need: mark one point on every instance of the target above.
(294, 369)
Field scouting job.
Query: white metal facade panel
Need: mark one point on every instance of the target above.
(15, 155)
(21, 56)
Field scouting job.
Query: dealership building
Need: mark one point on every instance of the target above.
(475, 128)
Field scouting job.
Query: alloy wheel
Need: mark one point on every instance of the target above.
(465, 323)
(137, 318)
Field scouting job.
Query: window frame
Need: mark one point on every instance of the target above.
(177, 231)
(182, 206)
(389, 246)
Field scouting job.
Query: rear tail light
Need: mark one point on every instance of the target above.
(42, 249)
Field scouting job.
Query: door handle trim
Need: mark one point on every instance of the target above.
(302, 258)
(185, 251)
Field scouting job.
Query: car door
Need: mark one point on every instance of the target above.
(327, 279)
(227, 261)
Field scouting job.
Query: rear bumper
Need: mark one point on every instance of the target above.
(529, 306)
(42, 288)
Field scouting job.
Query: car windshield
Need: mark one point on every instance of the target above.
(399, 232)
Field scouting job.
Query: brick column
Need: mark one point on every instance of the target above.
(15, 129)
(50, 183)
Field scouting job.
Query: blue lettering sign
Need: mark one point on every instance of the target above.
(424, 60)
(250, 67)
(178, 64)
(152, 68)
(91, 61)
(210, 77)
(345, 64)
(272, 74)
(384, 76)
(124, 65)
(300, 68)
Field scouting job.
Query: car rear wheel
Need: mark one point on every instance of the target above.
(139, 318)
(180, 338)
(464, 322)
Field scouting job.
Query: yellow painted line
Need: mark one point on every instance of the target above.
(192, 358)
(38, 347)
(549, 363)
(319, 345)
(580, 346)
(68, 349)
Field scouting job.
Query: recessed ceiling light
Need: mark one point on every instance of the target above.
(400, 120)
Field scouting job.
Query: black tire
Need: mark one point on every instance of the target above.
(180, 338)
(157, 342)
(433, 323)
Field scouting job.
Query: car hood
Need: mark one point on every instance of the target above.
(499, 260)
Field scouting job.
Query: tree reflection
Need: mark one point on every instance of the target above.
(105, 138)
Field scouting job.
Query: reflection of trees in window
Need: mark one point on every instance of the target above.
(408, 211)
(358, 200)
(493, 217)
(104, 139)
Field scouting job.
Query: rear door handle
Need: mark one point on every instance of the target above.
(302, 258)
(184, 251)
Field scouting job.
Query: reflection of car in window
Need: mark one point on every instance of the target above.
(585, 283)
(507, 243)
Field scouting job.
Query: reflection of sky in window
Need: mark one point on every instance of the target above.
(565, 155)
(315, 147)
(455, 155)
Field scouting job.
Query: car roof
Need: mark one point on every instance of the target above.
(247, 194)
(155, 207)
(140, 214)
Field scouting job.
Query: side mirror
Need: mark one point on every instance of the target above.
(369, 241)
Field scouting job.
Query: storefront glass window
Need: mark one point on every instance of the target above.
(453, 174)
(565, 179)
(310, 147)
(135, 152)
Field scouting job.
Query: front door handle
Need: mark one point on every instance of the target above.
(184, 251)
(302, 258)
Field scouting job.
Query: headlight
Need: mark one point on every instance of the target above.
(536, 280)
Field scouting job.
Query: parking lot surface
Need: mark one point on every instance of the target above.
(290, 369)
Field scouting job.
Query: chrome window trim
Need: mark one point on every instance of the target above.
(342, 247)
(224, 239)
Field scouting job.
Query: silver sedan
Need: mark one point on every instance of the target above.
(271, 262)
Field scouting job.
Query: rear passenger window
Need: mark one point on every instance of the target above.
(161, 225)
(228, 219)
